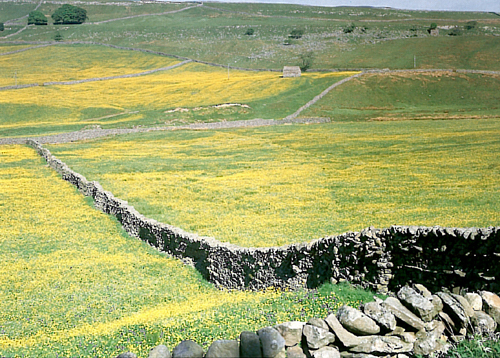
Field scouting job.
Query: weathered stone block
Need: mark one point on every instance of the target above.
(356, 321)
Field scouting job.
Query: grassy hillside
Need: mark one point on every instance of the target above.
(437, 95)
(74, 285)
(279, 185)
(216, 32)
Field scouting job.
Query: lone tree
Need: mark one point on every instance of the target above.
(1, 26)
(250, 32)
(69, 14)
(296, 33)
(37, 18)
(306, 60)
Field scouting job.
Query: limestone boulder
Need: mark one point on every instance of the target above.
(465, 304)
(250, 345)
(272, 343)
(455, 310)
(318, 322)
(421, 289)
(357, 322)
(326, 352)
(475, 301)
(295, 352)
(316, 337)
(483, 323)
(385, 319)
(431, 340)
(402, 313)
(160, 351)
(343, 335)
(223, 349)
(378, 345)
(417, 303)
(291, 332)
(187, 349)
(492, 305)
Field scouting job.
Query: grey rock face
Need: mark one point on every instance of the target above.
(345, 337)
(187, 349)
(295, 352)
(402, 313)
(454, 309)
(356, 321)
(382, 345)
(326, 352)
(316, 337)
(318, 322)
(492, 305)
(430, 341)
(384, 318)
(271, 341)
(250, 345)
(291, 332)
(483, 323)
(223, 349)
(475, 301)
(160, 351)
(126, 355)
(417, 303)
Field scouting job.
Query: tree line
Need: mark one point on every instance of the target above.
(66, 14)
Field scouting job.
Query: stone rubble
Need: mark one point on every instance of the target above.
(411, 336)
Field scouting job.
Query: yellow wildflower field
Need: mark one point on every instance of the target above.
(73, 284)
(68, 63)
(187, 86)
(290, 184)
(44, 108)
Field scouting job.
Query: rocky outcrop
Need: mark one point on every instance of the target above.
(379, 259)
(330, 338)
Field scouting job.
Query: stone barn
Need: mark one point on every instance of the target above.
(291, 71)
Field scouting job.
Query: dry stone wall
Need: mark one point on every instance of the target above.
(379, 259)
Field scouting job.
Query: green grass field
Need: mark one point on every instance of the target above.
(280, 185)
(409, 96)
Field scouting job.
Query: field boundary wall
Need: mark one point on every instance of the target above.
(379, 259)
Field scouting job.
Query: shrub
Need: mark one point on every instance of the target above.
(37, 18)
(470, 25)
(250, 32)
(69, 14)
(296, 34)
(349, 28)
(58, 37)
(432, 27)
(1, 26)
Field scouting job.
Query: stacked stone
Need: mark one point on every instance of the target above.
(417, 322)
